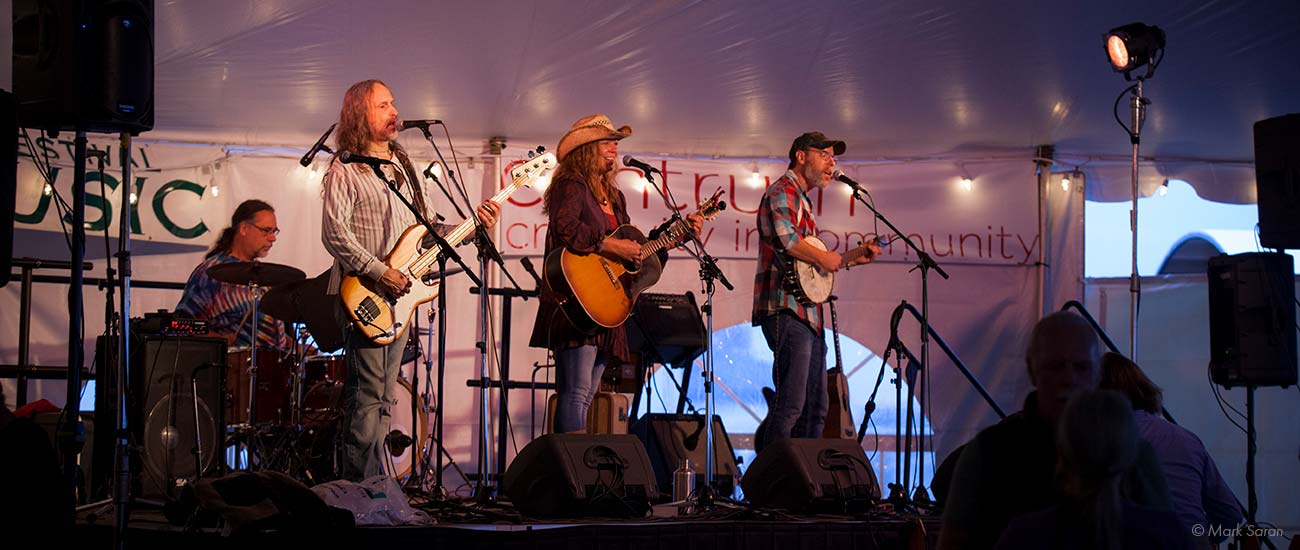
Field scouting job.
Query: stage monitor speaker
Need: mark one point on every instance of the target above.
(8, 184)
(669, 438)
(667, 328)
(812, 476)
(1277, 181)
(578, 475)
(84, 64)
(168, 419)
(1252, 319)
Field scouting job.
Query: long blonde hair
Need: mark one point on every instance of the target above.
(584, 163)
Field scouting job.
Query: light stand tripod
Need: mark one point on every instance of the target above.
(925, 263)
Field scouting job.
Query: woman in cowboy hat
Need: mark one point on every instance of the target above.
(583, 204)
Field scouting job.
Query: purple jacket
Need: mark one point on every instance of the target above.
(576, 221)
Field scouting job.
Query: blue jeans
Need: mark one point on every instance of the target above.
(577, 376)
(369, 394)
(799, 376)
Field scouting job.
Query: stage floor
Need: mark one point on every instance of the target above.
(149, 529)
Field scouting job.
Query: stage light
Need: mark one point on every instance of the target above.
(1134, 45)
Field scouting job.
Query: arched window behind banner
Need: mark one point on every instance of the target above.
(744, 366)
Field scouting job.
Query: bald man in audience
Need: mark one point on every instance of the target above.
(1010, 468)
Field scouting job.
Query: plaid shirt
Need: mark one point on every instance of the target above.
(784, 218)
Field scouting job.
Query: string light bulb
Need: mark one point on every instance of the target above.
(1065, 183)
(967, 184)
(216, 191)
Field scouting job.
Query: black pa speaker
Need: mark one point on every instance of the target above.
(84, 64)
(1252, 319)
(669, 438)
(168, 418)
(580, 475)
(812, 476)
(1277, 180)
(667, 328)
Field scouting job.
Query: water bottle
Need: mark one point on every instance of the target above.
(683, 481)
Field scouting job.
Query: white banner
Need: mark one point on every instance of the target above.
(991, 221)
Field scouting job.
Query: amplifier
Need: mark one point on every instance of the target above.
(667, 328)
(166, 323)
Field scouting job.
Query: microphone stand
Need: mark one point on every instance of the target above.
(925, 263)
(487, 250)
(709, 272)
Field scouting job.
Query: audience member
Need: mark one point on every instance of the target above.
(1010, 468)
(1200, 495)
(1097, 442)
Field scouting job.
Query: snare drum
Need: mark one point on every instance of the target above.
(274, 385)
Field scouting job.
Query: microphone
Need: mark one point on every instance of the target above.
(408, 124)
(397, 442)
(528, 266)
(844, 178)
(349, 158)
(318, 147)
(630, 162)
(894, 319)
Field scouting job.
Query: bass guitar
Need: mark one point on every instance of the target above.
(596, 292)
(383, 318)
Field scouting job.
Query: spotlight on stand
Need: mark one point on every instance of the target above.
(1128, 48)
(1133, 45)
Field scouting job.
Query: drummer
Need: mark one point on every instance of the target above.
(225, 306)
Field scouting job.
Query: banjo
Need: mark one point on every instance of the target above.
(809, 283)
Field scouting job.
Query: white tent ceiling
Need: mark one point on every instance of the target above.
(894, 78)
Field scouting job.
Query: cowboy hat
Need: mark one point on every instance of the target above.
(587, 130)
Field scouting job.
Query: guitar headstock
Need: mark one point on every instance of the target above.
(539, 162)
(711, 206)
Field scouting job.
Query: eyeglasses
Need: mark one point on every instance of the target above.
(824, 154)
(268, 231)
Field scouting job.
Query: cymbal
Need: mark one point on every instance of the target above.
(255, 273)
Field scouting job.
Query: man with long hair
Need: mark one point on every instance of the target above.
(583, 205)
(361, 223)
(251, 234)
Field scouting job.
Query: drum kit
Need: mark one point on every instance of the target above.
(284, 407)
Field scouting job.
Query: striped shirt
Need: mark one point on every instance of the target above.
(362, 219)
(227, 307)
(785, 217)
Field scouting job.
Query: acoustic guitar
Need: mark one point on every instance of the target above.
(596, 292)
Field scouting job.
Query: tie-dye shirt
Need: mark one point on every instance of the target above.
(226, 306)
